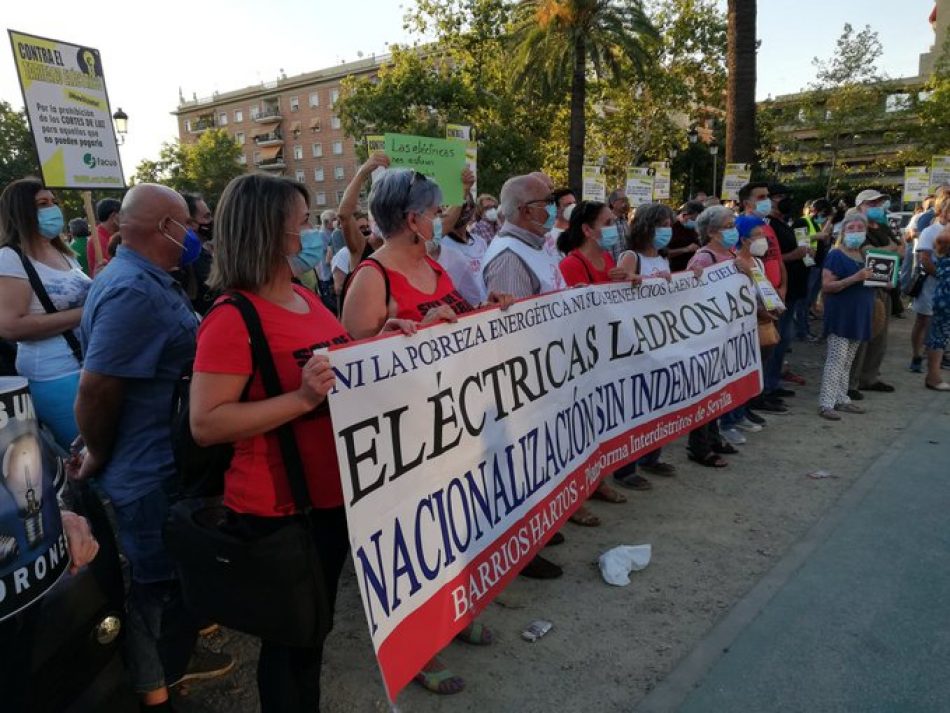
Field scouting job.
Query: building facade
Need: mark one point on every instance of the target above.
(287, 127)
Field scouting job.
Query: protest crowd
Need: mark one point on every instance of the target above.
(168, 332)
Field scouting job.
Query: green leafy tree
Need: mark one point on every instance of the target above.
(206, 166)
(558, 42)
(17, 153)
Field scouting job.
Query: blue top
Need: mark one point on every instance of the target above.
(848, 313)
(942, 291)
(138, 325)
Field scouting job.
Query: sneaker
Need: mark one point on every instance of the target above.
(754, 417)
(849, 408)
(205, 664)
(540, 568)
(855, 395)
(793, 378)
(734, 436)
(782, 393)
(916, 365)
(829, 414)
(772, 406)
(747, 426)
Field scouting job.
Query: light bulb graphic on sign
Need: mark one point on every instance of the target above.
(23, 477)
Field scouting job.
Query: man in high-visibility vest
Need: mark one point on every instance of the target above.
(817, 220)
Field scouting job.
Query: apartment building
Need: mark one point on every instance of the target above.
(287, 127)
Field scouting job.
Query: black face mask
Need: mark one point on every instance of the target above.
(785, 206)
(206, 231)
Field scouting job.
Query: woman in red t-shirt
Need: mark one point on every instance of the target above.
(258, 226)
(400, 279)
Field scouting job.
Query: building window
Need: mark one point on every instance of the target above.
(924, 96)
(298, 152)
(300, 176)
(339, 197)
(334, 95)
(334, 122)
(897, 102)
(338, 173)
(238, 116)
(314, 99)
(295, 103)
(337, 148)
(239, 138)
(315, 124)
(320, 198)
(242, 159)
(318, 175)
(257, 157)
(222, 119)
(316, 150)
(255, 112)
(187, 124)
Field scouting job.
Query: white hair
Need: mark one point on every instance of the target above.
(514, 193)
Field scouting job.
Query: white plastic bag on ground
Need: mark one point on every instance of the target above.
(616, 564)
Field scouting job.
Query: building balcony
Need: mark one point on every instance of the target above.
(268, 115)
(201, 125)
(272, 138)
(276, 164)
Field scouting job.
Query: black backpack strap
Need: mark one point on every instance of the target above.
(261, 354)
(40, 291)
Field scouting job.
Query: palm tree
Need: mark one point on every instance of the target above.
(557, 41)
(740, 91)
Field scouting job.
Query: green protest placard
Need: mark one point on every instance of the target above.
(440, 160)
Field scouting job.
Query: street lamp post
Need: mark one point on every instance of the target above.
(121, 120)
(692, 136)
(714, 151)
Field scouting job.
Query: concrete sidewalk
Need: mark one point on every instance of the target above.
(856, 617)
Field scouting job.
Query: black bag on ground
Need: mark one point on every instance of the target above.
(270, 586)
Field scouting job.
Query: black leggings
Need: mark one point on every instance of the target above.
(288, 677)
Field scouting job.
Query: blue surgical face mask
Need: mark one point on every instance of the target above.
(608, 236)
(313, 248)
(662, 237)
(854, 240)
(878, 214)
(437, 230)
(691, 224)
(730, 236)
(763, 207)
(552, 214)
(820, 220)
(50, 220)
(190, 247)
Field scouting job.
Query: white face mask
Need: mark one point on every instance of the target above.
(568, 211)
(491, 215)
(759, 247)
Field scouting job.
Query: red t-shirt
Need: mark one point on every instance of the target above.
(578, 270)
(412, 303)
(773, 258)
(101, 237)
(256, 482)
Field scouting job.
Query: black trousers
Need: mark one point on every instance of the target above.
(288, 677)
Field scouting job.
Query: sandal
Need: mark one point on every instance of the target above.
(476, 634)
(443, 681)
(725, 449)
(607, 494)
(659, 468)
(634, 482)
(584, 517)
(712, 460)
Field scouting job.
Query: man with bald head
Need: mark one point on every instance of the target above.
(519, 261)
(138, 336)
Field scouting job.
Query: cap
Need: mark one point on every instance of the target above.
(867, 196)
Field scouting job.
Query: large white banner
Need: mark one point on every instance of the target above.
(464, 448)
(64, 92)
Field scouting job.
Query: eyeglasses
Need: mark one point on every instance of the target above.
(546, 200)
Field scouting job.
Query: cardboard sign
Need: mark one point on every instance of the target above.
(661, 180)
(639, 187)
(439, 160)
(916, 184)
(884, 267)
(65, 96)
(735, 176)
(766, 291)
(376, 143)
(594, 184)
(939, 171)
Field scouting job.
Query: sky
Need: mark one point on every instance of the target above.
(151, 50)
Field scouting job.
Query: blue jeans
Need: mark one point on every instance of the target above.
(729, 420)
(626, 471)
(772, 374)
(161, 632)
(804, 305)
(53, 401)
